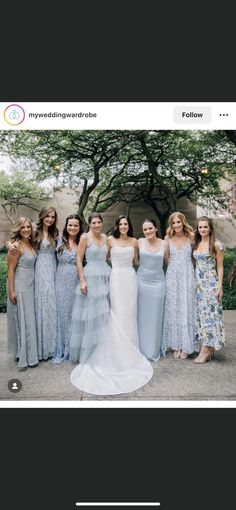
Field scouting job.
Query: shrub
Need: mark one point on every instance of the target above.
(3, 280)
(229, 297)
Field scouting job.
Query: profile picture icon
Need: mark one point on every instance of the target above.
(14, 385)
(14, 114)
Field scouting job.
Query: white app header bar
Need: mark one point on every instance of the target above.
(116, 115)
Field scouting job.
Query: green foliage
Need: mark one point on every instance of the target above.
(108, 167)
(3, 280)
(229, 297)
(18, 187)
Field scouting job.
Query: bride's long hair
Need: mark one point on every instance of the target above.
(116, 230)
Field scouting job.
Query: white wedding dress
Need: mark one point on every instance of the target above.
(116, 364)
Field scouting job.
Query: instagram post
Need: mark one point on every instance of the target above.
(118, 253)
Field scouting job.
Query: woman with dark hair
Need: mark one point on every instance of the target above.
(208, 254)
(122, 232)
(21, 323)
(115, 365)
(179, 326)
(124, 253)
(66, 281)
(151, 290)
(90, 311)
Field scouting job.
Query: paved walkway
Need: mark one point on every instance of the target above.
(172, 379)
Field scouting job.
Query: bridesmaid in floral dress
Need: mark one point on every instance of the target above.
(67, 279)
(209, 256)
(180, 305)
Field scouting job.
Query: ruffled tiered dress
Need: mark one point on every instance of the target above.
(90, 312)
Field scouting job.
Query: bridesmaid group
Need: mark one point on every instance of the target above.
(79, 297)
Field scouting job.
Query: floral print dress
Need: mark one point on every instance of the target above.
(210, 326)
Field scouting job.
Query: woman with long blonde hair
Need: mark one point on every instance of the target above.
(180, 305)
(21, 323)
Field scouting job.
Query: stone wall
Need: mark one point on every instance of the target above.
(64, 201)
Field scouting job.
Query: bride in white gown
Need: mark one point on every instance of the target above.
(116, 365)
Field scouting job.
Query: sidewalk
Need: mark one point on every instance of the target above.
(172, 379)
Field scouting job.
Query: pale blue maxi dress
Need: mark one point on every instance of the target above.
(90, 313)
(66, 281)
(179, 328)
(151, 298)
(45, 299)
(21, 323)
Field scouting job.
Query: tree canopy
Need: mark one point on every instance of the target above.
(16, 191)
(107, 167)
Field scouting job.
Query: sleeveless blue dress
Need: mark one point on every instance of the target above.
(90, 312)
(66, 281)
(45, 299)
(179, 328)
(151, 298)
(21, 323)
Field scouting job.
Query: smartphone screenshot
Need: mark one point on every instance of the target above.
(117, 297)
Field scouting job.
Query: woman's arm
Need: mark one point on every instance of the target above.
(12, 262)
(79, 259)
(139, 248)
(220, 268)
(109, 246)
(191, 237)
(136, 253)
(167, 251)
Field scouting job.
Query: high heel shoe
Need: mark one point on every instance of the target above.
(205, 355)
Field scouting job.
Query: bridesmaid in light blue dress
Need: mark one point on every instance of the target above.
(90, 313)
(179, 326)
(21, 324)
(67, 279)
(151, 291)
(45, 273)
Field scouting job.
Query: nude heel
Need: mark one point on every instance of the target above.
(205, 355)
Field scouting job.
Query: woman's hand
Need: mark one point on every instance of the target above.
(12, 297)
(219, 293)
(83, 287)
(14, 248)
